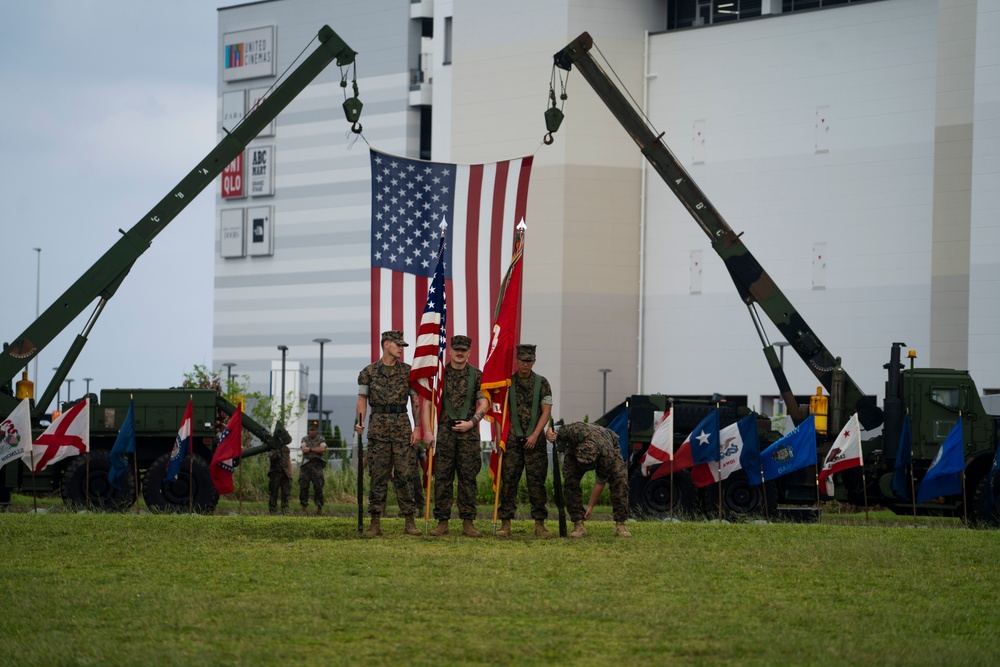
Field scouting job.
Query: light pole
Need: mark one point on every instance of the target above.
(87, 380)
(284, 353)
(229, 373)
(322, 342)
(69, 389)
(604, 399)
(38, 298)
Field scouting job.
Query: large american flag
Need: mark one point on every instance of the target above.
(482, 203)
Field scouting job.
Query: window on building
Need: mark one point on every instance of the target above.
(700, 13)
(447, 40)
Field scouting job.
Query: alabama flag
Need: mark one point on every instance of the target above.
(67, 436)
(845, 453)
(661, 447)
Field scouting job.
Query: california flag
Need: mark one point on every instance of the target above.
(845, 453)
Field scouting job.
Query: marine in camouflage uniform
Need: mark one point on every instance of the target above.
(279, 477)
(530, 404)
(391, 438)
(592, 447)
(312, 468)
(458, 449)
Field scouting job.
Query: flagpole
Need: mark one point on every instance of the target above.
(672, 454)
(496, 445)
(718, 467)
(819, 507)
(34, 489)
(913, 494)
(965, 504)
(864, 489)
(430, 465)
(191, 460)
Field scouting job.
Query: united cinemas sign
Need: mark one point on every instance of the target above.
(249, 54)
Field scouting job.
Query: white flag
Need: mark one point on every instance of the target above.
(844, 453)
(68, 435)
(15, 434)
(661, 447)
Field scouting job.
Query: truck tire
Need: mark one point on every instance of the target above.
(984, 512)
(163, 496)
(740, 499)
(651, 498)
(103, 496)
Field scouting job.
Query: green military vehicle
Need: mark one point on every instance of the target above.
(934, 397)
(158, 411)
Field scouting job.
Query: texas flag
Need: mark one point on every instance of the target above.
(67, 436)
(845, 453)
(182, 444)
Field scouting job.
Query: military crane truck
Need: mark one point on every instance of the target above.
(158, 411)
(934, 397)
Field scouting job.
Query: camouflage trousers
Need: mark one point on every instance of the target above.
(396, 458)
(535, 464)
(462, 457)
(311, 474)
(278, 482)
(614, 471)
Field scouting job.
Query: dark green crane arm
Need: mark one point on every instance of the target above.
(102, 280)
(752, 282)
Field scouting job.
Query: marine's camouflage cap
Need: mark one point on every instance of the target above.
(313, 424)
(461, 342)
(394, 336)
(526, 352)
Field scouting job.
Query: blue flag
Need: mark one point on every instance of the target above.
(990, 501)
(704, 439)
(620, 426)
(944, 478)
(904, 457)
(795, 450)
(750, 453)
(124, 445)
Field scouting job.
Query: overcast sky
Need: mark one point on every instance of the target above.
(107, 104)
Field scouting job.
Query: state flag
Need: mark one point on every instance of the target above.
(845, 453)
(67, 436)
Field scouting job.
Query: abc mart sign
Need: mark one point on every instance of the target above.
(249, 54)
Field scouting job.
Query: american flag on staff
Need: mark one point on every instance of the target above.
(410, 198)
(427, 371)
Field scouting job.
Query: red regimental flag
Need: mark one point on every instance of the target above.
(500, 365)
(230, 448)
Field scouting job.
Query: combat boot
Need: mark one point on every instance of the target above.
(319, 510)
(469, 529)
(411, 527)
(579, 530)
(541, 530)
(440, 529)
(504, 528)
(621, 530)
(374, 528)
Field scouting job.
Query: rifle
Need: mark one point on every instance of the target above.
(557, 486)
(361, 474)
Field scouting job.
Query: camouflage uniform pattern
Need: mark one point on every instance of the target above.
(592, 447)
(457, 453)
(279, 477)
(533, 462)
(389, 450)
(311, 472)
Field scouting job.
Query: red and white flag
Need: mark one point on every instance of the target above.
(67, 436)
(230, 448)
(845, 453)
(661, 447)
(410, 198)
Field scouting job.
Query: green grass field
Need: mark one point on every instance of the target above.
(126, 589)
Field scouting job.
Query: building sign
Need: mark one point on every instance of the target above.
(231, 243)
(261, 170)
(233, 108)
(232, 179)
(261, 231)
(257, 95)
(248, 54)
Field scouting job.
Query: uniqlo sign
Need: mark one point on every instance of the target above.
(233, 183)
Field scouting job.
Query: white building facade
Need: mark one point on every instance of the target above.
(857, 146)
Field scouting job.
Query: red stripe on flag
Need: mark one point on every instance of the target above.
(472, 268)
(376, 327)
(496, 240)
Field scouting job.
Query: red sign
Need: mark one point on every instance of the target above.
(232, 179)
